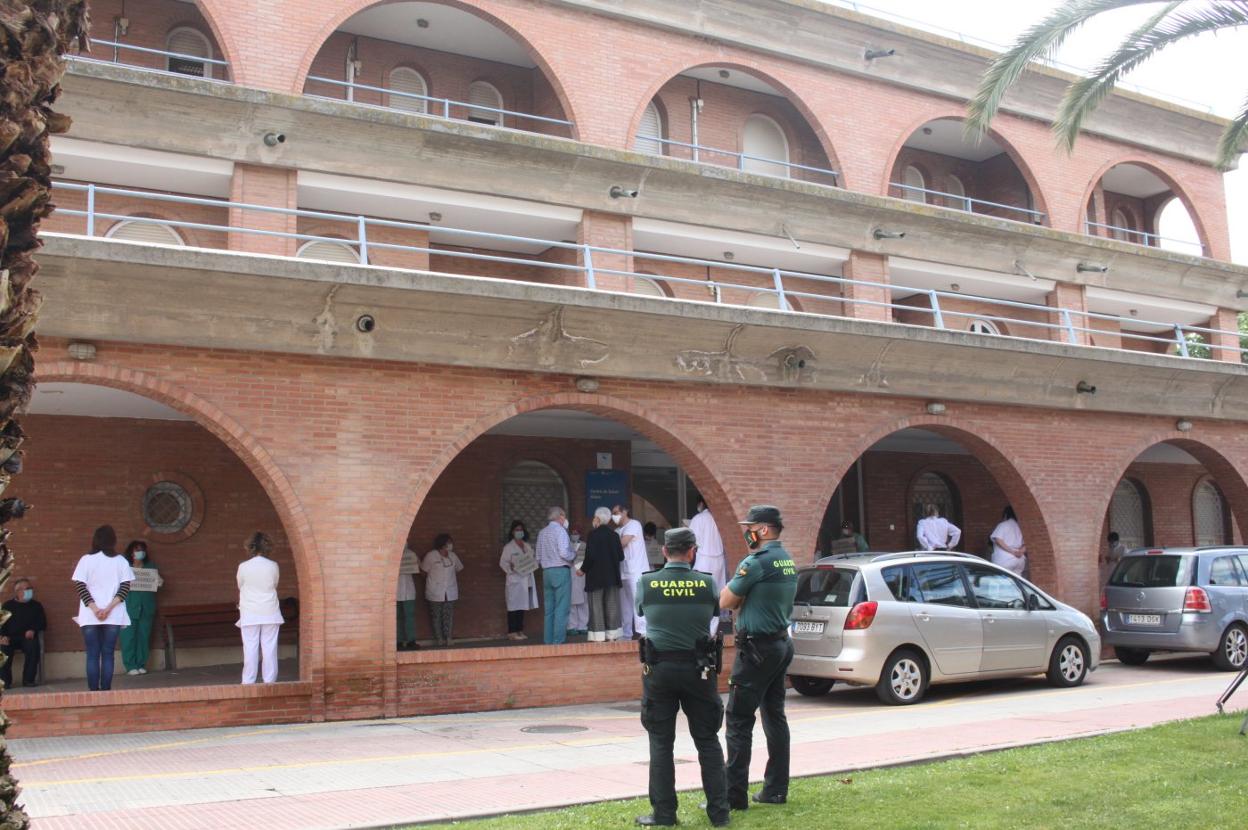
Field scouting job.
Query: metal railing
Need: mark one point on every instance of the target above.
(792, 289)
(143, 50)
(1152, 240)
(443, 105)
(953, 200)
(696, 151)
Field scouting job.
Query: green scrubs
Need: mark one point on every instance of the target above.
(136, 638)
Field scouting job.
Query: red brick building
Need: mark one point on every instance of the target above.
(360, 274)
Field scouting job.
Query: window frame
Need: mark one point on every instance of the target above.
(987, 569)
(957, 567)
(208, 52)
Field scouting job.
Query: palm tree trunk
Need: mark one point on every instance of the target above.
(34, 36)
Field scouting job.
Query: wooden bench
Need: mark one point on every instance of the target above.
(215, 621)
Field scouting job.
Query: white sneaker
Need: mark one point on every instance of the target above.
(140, 671)
(133, 671)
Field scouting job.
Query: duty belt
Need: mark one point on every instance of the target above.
(689, 656)
(764, 638)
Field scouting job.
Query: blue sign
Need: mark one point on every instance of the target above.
(605, 488)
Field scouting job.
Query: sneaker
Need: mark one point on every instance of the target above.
(133, 671)
(141, 671)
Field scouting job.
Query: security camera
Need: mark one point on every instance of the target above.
(274, 139)
(880, 233)
(872, 54)
(1085, 388)
(365, 323)
(619, 191)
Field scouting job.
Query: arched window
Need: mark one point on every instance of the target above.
(764, 299)
(645, 286)
(190, 44)
(1123, 226)
(146, 231)
(650, 132)
(983, 327)
(482, 95)
(1209, 515)
(766, 148)
(408, 80)
(530, 489)
(957, 194)
(915, 185)
(329, 252)
(932, 488)
(1128, 515)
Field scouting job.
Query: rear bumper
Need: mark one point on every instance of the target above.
(850, 666)
(1196, 633)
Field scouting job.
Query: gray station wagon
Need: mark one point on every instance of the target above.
(1179, 599)
(902, 621)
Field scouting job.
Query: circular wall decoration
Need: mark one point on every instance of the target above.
(172, 508)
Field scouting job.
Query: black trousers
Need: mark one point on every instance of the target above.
(752, 688)
(668, 688)
(515, 621)
(30, 670)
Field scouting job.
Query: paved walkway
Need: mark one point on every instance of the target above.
(379, 773)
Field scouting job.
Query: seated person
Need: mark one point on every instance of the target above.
(21, 631)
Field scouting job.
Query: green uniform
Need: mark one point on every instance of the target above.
(767, 579)
(678, 604)
(137, 637)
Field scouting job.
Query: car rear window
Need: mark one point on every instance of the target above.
(829, 587)
(1150, 572)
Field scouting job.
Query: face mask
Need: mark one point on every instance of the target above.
(28, 595)
(140, 555)
(752, 539)
(846, 532)
(617, 517)
(449, 547)
(517, 534)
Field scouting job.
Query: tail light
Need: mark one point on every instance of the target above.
(1104, 601)
(1196, 599)
(861, 616)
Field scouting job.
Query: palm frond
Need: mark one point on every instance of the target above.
(1233, 138)
(1039, 42)
(1165, 28)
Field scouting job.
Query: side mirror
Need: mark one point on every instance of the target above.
(1033, 602)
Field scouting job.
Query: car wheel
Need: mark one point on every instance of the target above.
(1069, 664)
(811, 686)
(903, 680)
(1232, 650)
(1131, 656)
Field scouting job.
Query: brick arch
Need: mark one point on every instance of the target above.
(1039, 201)
(1014, 482)
(1223, 471)
(254, 456)
(1178, 190)
(665, 73)
(496, 16)
(686, 449)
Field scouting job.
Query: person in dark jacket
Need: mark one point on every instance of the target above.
(21, 631)
(603, 555)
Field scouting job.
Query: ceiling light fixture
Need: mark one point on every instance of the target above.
(1183, 425)
(724, 73)
(421, 23)
(936, 408)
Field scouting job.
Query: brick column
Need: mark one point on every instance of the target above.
(269, 186)
(1224, 345)
(871, 268)
(605, 230)
(1072, 298)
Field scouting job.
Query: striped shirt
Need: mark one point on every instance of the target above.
(554, 547)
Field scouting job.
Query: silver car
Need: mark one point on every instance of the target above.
(902, 621)
(1179, 599)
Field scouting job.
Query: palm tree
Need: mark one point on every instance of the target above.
(34, 36)
(1174, 21)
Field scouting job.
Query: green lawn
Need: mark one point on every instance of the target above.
(1184, 774)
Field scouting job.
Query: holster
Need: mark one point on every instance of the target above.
(643, 646)
(749, 650)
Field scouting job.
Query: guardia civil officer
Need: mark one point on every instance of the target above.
(762, 589)
(681, 671)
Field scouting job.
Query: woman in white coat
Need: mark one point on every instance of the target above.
(1008, 549)
(259, 615)
(440, 567)
(102, 580)
(521, 588)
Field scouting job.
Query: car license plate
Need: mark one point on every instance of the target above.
(805, 627)
(1143, 619)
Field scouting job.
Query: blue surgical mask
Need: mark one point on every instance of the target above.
(28, 595)
(140, 555)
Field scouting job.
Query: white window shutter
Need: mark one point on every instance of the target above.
(186, 41)
(404, 79)
(147, 232)
(1126, 515)
(914, 183)
(764, 143)
(330, 252)
(1208, 514)
(481, 94)
(650, 133)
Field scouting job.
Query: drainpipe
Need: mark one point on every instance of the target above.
(352, 66)
(695, 107)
